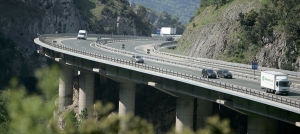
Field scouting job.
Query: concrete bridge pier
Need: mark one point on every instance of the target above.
(127, 98)
(258, 124)
(184, 113)
(65, 86)
(86, 92)
(204, 110)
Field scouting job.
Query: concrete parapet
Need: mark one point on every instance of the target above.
(184, 113)
(86, 92)
(65, 86)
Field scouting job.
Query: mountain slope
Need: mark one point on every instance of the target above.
(183, 9)
(240, 31)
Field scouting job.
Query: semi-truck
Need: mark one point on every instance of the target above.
(167, 31)
(275, 82)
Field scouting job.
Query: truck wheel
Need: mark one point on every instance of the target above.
(266, 90)
(287, 94)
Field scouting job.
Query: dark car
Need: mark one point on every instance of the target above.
(224, 73)
(208, 73)
(169, 39)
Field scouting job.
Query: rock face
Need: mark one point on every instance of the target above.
(213, 40)
(22, 20)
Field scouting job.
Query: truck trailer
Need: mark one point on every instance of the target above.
(167, 31)
(275, 82)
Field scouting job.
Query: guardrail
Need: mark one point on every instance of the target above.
(72, 35)
(284, 100)
(173, 62)
(292, 73)
(167, 61)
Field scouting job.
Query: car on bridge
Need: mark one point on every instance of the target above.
(170, 39)
(137, 59)
(224, 73)
(208, 73)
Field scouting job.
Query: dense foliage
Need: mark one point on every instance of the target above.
(24, 113)
(217, 3)
(277, 16)
(98, 12)
(183, 9)
(8, 55)
(157, 19)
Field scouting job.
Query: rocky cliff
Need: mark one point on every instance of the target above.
(215, 33)
(22, 20)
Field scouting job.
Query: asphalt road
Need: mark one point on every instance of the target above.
(135, 46)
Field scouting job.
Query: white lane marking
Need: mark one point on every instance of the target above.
(142, 48)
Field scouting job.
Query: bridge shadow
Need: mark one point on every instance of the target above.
(291, 94)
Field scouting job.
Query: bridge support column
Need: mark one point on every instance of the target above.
(126, 98)
(103, 80)
(204, 110)
(184, 113)
(258, 124)
(65, 86)
(86, 92)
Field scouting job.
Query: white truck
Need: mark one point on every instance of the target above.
(167, 31)
(82, 34)
(275, 82)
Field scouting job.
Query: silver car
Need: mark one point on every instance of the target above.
(137, 59)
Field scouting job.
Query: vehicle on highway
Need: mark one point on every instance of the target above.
(167, 31)
(137, 59)
(170, 39)
(275, 82)
(224, 73)
(82, 34)
(208, 73)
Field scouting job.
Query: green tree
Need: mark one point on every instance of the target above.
(33, 113)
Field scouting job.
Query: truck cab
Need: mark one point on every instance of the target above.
(282, 86)
(82, 34)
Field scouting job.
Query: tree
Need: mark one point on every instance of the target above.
(33, 113)
(24, 113)
(216, 126)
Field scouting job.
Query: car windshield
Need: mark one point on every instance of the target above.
(210, 71)
(138, 57)
(284, 84)
(81, 33)
(225, 71)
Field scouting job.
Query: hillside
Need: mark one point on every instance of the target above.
(21, 22)
(239, 31)
(112, 16)
(183, 9)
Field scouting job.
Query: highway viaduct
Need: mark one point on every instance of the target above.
(262, 109)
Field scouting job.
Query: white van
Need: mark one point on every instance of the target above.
(82, 34)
